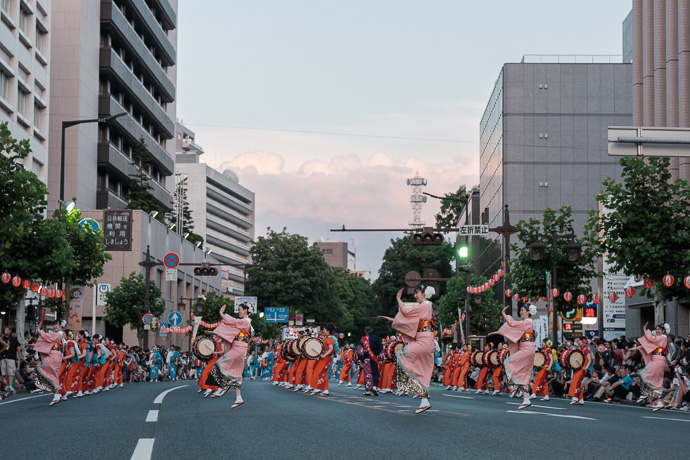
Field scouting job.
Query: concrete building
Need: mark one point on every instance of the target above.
(145, 231)
(25, 56)
(112, 57)
(337, 254)
(660, 35)
(222, 210)
(544, 140)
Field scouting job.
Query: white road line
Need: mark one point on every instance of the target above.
(22, 399)
(403, 410)
(144, 449)
(673, 419)
(159, 398)
(152, 416)
(458, 396)
(546, 413)
(543, 407)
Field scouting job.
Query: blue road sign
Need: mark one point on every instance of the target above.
(276, 314)
(175, 318)
(88, 222)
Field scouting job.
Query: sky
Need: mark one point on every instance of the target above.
(325, 108)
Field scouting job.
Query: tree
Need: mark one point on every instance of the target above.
(489, 307)
(527, 276)
(402, 257)
(187, 220)
(451, 209)
(293, 274)
(646, 227)
(125, 303)
(139, 196)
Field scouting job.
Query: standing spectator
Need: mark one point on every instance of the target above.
(607, 355)
(8, 365)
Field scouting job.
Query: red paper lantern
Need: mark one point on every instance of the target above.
(668, 280)
(51, 293)
(568, 296)
(686, 281)
(16, 281)
(44, 291)
(613, 296)
(508, 291)
(491, 282)
(35, 287)
(58, 293)
(555, 292)
(543, 298)
(516, 297)
(648, 283)
(525, 299)
(630, 291)
(26, 284)
(581, 299)
(500, 272)
(504, 265)
(6, 277)
(596, 298)
(496, 278)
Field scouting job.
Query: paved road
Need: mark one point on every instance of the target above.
(276, 423)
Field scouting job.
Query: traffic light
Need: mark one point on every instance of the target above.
(462, 251)
(427, 237)
(205, 270)
(487, 324)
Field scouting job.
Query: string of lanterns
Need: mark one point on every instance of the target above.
(176, 330)
(648, 283)
(31, 285)
(205, 324)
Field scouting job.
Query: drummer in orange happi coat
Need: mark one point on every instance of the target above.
(541, 386)
(498, 380)
(449, 364)
(575, 392)
(346, 356)
(461, 382)
(457, 368)
(320, 379)
(482, 385)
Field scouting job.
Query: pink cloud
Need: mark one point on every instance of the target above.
(343, 190)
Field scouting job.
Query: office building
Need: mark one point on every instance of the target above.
(112, 57)
(25, 56)
(222, 210)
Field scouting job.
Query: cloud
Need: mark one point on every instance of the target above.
(345, 190)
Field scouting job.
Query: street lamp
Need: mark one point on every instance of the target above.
(573, 251)
(67, 124)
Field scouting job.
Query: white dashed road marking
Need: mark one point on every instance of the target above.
(527, 411)
(144, 449)
(152, 416)
(159, 398)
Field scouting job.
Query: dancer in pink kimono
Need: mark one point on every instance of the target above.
(415, 362)
(236, 333)
(49, 348)
(653, 349)
(520, 336)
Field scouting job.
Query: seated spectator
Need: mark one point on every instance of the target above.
(27, 377)
(604, 383)
(618, 390)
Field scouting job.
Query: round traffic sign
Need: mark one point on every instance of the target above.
(412, 279)
(147, 318)
(175, 318)
(171, 260)
(90, 223)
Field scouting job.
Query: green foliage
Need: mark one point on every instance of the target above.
(451, 209)
(528, 277)
(647, 229)
(293, 275)
(125, 303)
(455, 298)
(402, 257)
(139, 196)
(187, 219)
(209, 307)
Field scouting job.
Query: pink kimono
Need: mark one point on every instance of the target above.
(229, 368)
(652, 376)
(48, 372)
(415, 362)
(519, 364)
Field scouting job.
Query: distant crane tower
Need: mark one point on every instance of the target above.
(417, 199)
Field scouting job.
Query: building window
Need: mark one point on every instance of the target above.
(329, 251)
(24, 21)
(4, 85)
(22, 97)
(38, 117)
(5, 5)
(41, 40)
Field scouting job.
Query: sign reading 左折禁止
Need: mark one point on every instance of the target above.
(117, 230)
